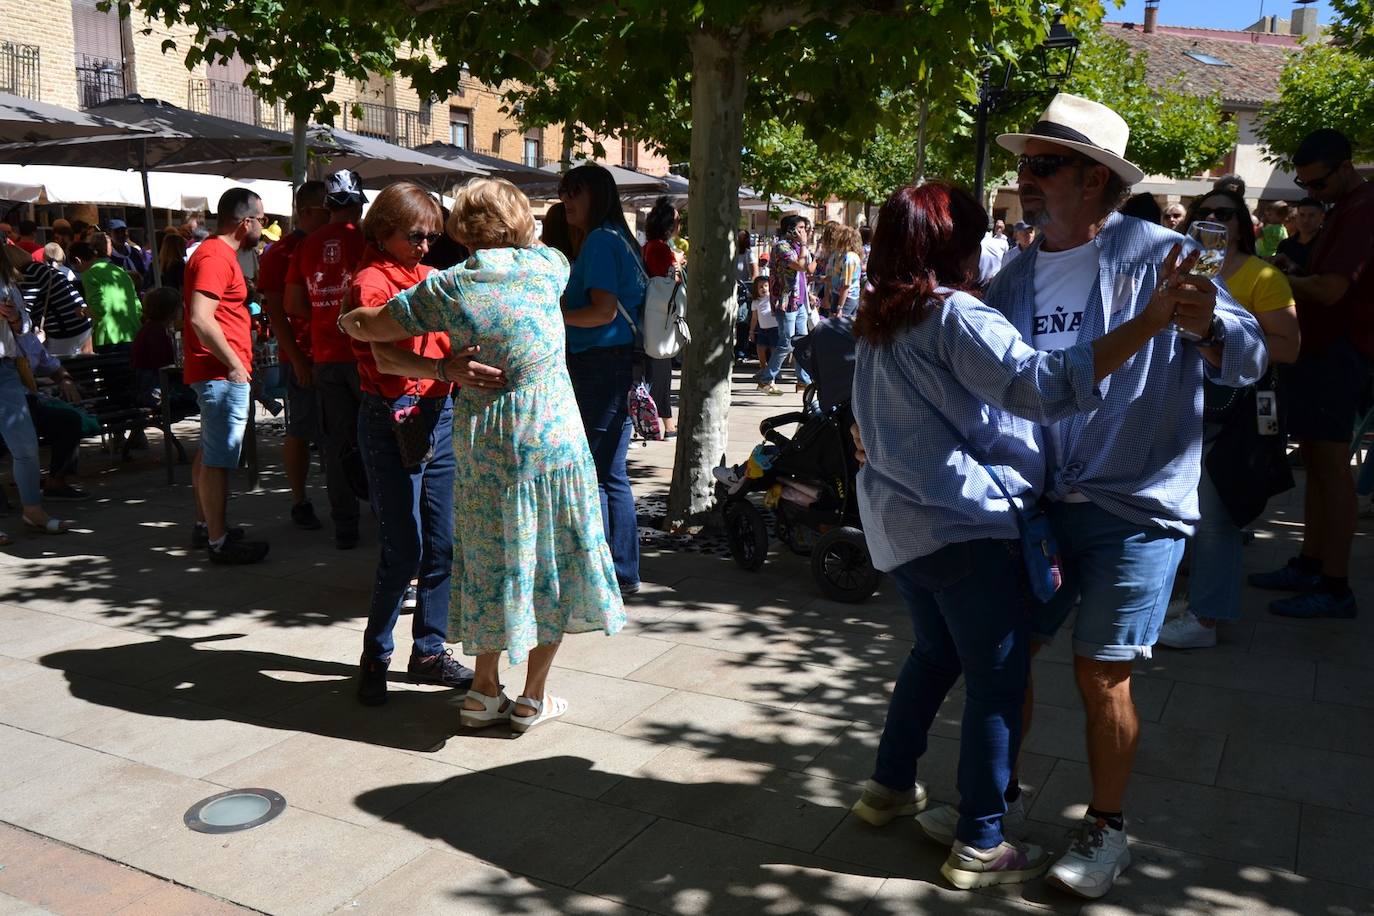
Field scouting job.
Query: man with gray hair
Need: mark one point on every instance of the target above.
(1122, 493)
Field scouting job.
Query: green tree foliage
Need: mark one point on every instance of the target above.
(1322, 86)
(1354, 26)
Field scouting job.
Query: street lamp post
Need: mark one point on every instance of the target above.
(991, 97)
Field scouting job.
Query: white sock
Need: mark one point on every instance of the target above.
(218, 542)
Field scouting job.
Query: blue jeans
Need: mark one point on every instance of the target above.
(970, 609)
(790, 325)
(414, 511)
(1214, 586)
(601, 381)
(21, 438)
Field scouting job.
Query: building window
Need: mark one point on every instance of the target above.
(534, 149)
(460, 127)
(629, 152)
(1204, 58)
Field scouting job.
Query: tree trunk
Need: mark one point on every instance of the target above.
(719, 72)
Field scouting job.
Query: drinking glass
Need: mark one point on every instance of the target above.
(1211, 238)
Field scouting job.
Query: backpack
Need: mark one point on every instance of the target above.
(664, 332)
(644, 413)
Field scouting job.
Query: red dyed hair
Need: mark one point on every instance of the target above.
(925, 238)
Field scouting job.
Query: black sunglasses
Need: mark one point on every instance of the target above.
(1220, 213)
(416, 237)
(1316, 184)
(1044, 165)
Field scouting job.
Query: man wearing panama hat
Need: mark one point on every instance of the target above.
(1122, 493)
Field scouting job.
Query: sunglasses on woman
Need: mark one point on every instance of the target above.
(416, 237)
(1044, 165)
(1221, 214)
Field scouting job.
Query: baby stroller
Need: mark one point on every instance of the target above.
(808, 478)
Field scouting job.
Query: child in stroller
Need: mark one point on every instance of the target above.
(808, 478)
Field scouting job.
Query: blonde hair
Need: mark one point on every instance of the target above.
(491, 213)
(847, 238)
(53, 252)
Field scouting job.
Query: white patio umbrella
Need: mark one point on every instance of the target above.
(58, 184)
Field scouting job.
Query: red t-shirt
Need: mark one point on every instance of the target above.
(1345, 247)
(214, 270)
(37, 254)
(324, 264)
(272, 270)
(152, 348)
(28, 246)
(377, 280)
(658, 258)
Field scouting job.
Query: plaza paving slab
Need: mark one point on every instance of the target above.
(706, 765)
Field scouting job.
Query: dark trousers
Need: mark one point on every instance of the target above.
(970, 609)
(661, 386)
(414, 508)
(601, 382)
(61, 429)
(336, 386)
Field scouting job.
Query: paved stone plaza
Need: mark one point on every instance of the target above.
(706, 765)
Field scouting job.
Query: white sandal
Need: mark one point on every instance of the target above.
(551, 707)
(494, 711)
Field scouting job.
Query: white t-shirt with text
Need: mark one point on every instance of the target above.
(764, 309)
(1063, 283)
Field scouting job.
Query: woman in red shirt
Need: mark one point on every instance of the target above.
(660, 260)
(405, 432)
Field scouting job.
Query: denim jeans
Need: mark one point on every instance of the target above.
(21, 438)
(601, 381)
(970, 609)
(414, 510)
(336, 386)
(1214, 586)
(790, 325)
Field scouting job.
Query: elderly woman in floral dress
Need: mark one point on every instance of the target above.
(530, 557)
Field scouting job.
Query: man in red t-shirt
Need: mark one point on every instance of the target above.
(1324, 391)
(317, 283)
(293, 345)
(27, 230)
(217, 364)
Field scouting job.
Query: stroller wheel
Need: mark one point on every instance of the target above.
(747, 534)
(841, 566)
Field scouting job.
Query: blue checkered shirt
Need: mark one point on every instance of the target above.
(920, 489)
(1139, 454)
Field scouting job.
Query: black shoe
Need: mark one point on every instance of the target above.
(66, 492)
(629, 588)
(441, 669)
(412, 598)
(200, 536)
(345, 540)
(303, 515)
(239, 553)
(372, 680)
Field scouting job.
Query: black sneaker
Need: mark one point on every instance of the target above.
(345, 540)
(441, 669)
(372, 680)
(412, 598)
(303, 515)
(200, 536)
(239, 553)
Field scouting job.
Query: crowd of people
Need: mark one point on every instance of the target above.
(1046, 421)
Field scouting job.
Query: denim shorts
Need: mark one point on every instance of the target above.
(223, 419)
(1122, 574)
(766, 337)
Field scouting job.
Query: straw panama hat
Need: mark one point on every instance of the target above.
(1087, 127)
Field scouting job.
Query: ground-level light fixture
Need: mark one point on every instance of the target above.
(235, 810)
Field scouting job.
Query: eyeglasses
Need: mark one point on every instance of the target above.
(256, 219)
(1045, 165)
(1316, 184)
(1221, 214)
(416, 237)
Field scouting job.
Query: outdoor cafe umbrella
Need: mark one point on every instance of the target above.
(380, 163)
(627, 181)
(516, 173)
(26, 121)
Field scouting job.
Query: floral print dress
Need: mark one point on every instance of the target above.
(530, 559)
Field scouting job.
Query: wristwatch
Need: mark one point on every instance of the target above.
(1216, 333)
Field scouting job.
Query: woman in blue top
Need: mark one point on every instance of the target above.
(933, 358)
(607, 285)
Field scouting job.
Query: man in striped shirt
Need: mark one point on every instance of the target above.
(1123, 478)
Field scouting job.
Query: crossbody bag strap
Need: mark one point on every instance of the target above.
(973, 453)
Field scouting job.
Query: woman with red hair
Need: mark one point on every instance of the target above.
(948, 404)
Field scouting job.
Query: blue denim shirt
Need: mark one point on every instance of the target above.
(1139, 454)
(920, 489)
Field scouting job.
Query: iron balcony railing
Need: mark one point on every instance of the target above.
(234, 102)
(99, 79)
(386, 122)
(19, 69)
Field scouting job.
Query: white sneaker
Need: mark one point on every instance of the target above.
(939, 823)
(1177, 608)
(1187, 632)
(1097, 855)
(731, 477)
(773, 390)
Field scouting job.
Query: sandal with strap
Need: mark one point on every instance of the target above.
(551, 707)
(494, 711)
(51, 526)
